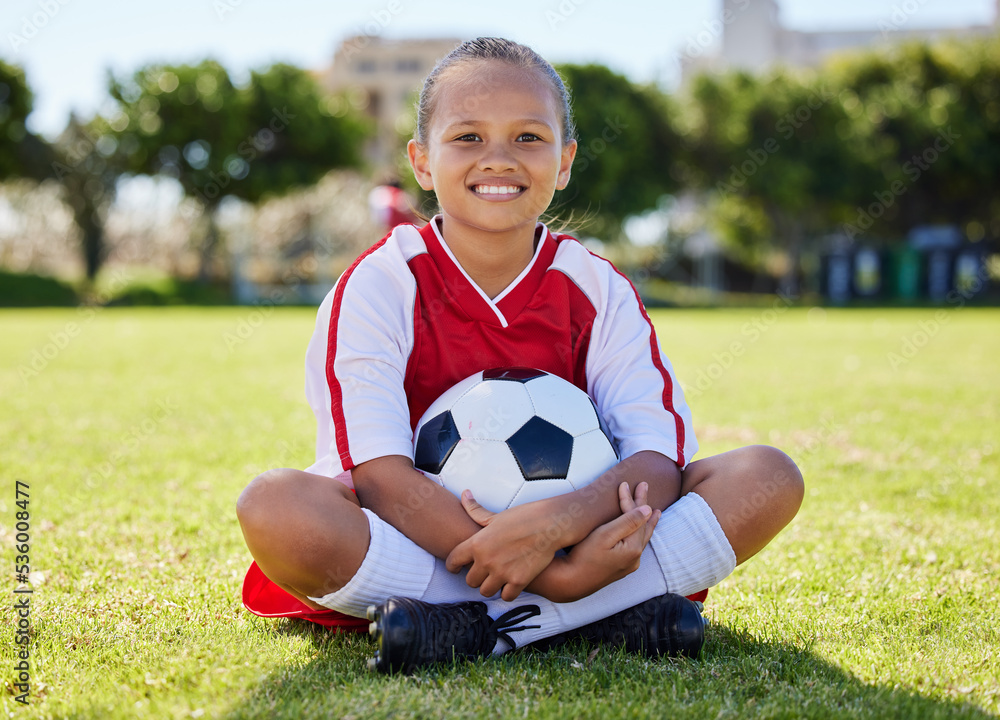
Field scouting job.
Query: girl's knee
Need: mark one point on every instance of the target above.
(258, 500)
(286, 495)
(779, 475)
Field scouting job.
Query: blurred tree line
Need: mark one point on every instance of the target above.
(868, 146)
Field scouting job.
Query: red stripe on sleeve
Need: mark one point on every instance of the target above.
(336, 394)
(668, 384)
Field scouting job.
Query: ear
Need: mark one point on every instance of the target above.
(420, 164)
(566, 164)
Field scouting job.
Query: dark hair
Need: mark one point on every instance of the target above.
(488, 48)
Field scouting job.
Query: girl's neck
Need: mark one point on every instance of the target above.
(493, 260)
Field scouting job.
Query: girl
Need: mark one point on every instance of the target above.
(484, 284)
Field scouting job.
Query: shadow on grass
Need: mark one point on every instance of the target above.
(738, 676)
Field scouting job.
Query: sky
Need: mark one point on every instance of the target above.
(67, 46)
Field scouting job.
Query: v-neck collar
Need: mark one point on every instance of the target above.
(511, 301)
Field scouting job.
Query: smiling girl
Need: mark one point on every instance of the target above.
(482, 285)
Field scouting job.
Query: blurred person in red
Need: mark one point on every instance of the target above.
(390, 205)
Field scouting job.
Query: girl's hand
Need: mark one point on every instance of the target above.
(609, 553)
(513, 547)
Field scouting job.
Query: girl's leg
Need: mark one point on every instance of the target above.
(310, 536)
(754, 492)
(307, 532)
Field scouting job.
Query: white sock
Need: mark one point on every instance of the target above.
(687, 552)
(691, 549)
(554, 618)
(394, 566)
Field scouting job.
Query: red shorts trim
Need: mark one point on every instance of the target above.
(699, 596)
(262, 597)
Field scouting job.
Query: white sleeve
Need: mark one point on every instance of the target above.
(356, 363)
(631, 380)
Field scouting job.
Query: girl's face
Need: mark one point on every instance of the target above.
(495, 154)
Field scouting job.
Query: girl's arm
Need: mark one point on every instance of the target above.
(418, 507)
(609, 553)
(519, 544)
(508, 553)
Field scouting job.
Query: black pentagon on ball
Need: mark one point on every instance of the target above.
(515, 374)
(542, 450)
(437, 438)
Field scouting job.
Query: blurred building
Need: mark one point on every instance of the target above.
(753, 38)
(382, 77)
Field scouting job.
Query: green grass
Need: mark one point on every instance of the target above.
(137, 428)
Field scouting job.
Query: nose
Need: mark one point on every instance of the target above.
(497, 157)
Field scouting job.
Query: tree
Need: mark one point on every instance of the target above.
(935, 112)
(22, 154)
(869, 145)
(82, 163)
(627, 157)
(778, 157)
(193, 124)
(87, 179)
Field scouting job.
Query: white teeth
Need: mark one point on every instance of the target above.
(497, 189)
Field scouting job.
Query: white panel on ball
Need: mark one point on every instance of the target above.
(450, 396)
(592, 456)
(487, 468)
(541, 490)
(568, 410)
(494, 409)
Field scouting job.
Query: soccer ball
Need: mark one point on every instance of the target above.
(511, 436)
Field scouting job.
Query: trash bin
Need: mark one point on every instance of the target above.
(905, 274)
(939, 274)
(837, 278)
(970, 273)
(867, 273)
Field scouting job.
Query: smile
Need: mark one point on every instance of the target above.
(497, 189)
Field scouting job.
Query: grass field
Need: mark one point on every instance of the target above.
(135, 430)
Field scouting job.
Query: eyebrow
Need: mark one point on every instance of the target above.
(477, 123)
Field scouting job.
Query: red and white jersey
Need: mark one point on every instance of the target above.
(406, 322)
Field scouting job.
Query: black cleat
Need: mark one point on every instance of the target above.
(412, 634)
(669, 625)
